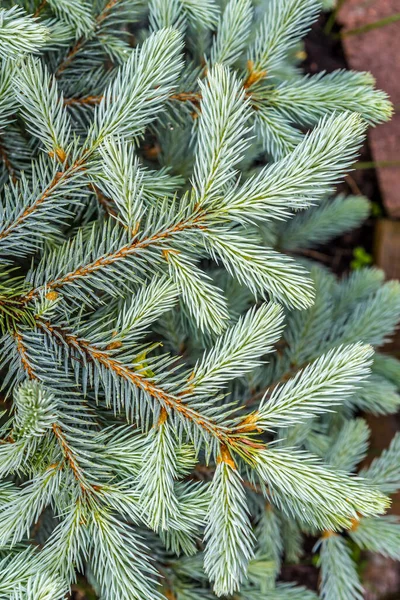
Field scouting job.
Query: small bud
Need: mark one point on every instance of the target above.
(52, 296)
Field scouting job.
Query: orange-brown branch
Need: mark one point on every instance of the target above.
(40, 8)
(90, 100)
(22, 351)
(104, 201)
(41, 199)
(193, 97)
(67, 452)
(106, 11)
(82, 40)
(167, 400)
(70, 56)
(328, 533)
(355, 523)
(254, 75)
(119, 254)
(70, 457)
(7, 163)
(226, 457)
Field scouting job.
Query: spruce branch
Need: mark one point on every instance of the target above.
(384, 471)
(350, 446)
(42, 107)
(20, 33)
(339, 577)
(284, 23)
(310, 98)
(77, 13)
(158, 476)
(138, 217)
(116, 548)
(168, 400)
(26, 203)
(34, 416)
(232, 355)
(381, 535)
(108, 13)
(228, 533)
(125, 110)
(233, 31)
(298, 481)
(302, 177)
(315, 389)
(332, 218)
(261, 269)
(221, 136)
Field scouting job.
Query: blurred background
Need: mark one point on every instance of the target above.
(364, 35)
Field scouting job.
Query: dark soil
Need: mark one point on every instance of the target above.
(325, 53)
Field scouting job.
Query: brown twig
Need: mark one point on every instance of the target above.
(60, 175)
(254, 76)
(22, 351)
(67, 452)
(70, 457)
(90, 100)
(82, 40)
(39, 8)
(120, 254)
(7, 163)
(167, 399)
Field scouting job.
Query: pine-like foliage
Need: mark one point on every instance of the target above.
(180, 392)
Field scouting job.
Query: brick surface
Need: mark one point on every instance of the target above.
(378, 51)
(387, 247)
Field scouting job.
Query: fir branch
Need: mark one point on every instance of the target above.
(19, 33)
(223, 126)
(298, 481)
(384, 471)
(228, 535)
(381, 535)
(284, 23)
(322, 384)
(42, 107)
(233, 31)
(339, 579)
(122, 180)
(278, 137)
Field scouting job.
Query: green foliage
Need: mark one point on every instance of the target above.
(180, 387)
(361, 258)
